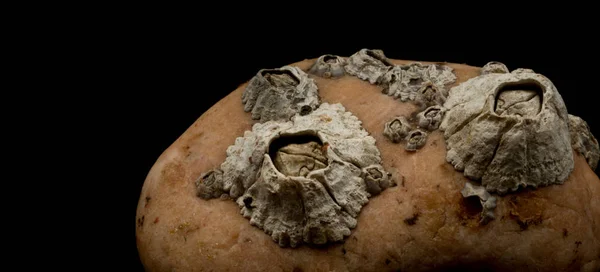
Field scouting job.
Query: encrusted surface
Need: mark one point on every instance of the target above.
(314, 190)
(509, 131)
(583, 141)
(488, 202)
(368, 65)
(278, 94)
(424, 84)
(328, 66)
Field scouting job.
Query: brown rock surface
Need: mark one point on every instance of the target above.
(421, 224)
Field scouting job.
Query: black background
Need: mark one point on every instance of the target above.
(165, 76)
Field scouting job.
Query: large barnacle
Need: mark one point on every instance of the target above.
(303, 180)
(508, 130)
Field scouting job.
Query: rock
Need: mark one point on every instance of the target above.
(422, 224)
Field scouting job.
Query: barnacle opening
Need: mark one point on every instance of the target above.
(298, 154)
(522, 98)
(330, 59)
(280, 78)
(472, 205)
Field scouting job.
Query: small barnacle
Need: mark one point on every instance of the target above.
(431, 94)
(494, 67)
(328, 66)
(278, 94)
(488, 202)
(583, 141)
(509, 131)
(376, 179)
(397, 129)
(368, 65)
(210, 184)
(415, 140)
(304, 180)
(431, 117)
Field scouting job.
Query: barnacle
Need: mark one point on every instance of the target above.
(583, 141)
(415, 139)
(328, 66)
(368, 65)
(430, 118)
(397, 129)
(494, 67)
(488, 202)
(303, 180)
(425, 84)
(508, 130)
(278, 94)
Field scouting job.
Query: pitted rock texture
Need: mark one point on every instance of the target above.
(508, 131)
(328, 66)
(312, 192)
(420, 225)
(583, 141)
(279, 94)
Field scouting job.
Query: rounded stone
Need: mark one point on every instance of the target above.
(421, 224)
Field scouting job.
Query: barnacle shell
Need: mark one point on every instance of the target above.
(328, 66)
(583, 141)
(368, 65)
(397, 129)
(425, 84)
(488, 202)
(330, 196)
(415, 139)
(431, 117)
(494, 67)
(278, 94)
(499, 131)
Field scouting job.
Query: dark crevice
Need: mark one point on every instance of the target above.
(472, 206)
(286, 140)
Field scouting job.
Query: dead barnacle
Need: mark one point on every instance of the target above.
(583, 141)
(397, 129)
(376, 179)
(522, 71)
(430, 118)
(509, 131)
(209, 185)
(494, 67)
(424, 84)
(488, 202)
(415, 139)
(328, 66)
(368, 65)
(278, 94)
(304, 180)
